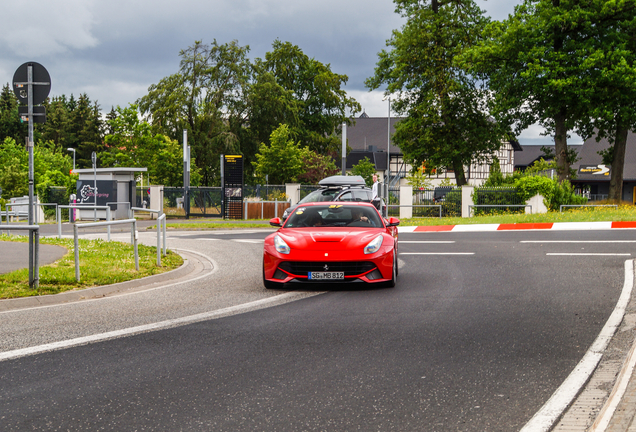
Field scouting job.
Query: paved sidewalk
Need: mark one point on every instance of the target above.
(15, 255)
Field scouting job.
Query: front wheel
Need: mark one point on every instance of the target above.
(394, 272)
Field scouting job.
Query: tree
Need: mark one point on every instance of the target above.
(10, 124)
(206, 98)
(50, 168)
(364, 168)
(316, 167)
(74, 124)
(610, 79)
(291, 88)
(282, 160)
(419, 180)
(534, 62)
(133, 144)
(446, 121)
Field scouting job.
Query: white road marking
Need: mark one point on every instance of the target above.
(552, 410)
(249, 240)
(588, 254)
(437, 253)
(426, 242)
(577, 241)
(7, 355)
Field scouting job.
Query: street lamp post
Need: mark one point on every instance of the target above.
(388, 156)
(73, 150)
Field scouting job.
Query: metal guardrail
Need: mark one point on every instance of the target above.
(34, 256)
(419, 205)
(586, 205)
(141, 209)
(81, 207)
(18, 214)
(133, 237)
(470, 207)
(161, 221)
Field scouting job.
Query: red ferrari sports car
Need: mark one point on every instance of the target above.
(332, 242)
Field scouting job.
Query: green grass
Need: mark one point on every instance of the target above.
(584, 214)
(101, 263)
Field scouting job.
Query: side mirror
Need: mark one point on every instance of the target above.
(393, 221)
(275, 222)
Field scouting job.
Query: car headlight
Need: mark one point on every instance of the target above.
(280, 245)
(374, 245)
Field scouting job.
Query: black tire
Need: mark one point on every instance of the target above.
(269, 284)
(393, 281)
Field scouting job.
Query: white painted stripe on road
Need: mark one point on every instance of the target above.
(475, 228)
(144, 328)
(552, 410)
(437, 253)
(577, 241)
(249, 240)
(588, 254)
(426, 242)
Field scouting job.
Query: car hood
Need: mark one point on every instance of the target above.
(328, 239)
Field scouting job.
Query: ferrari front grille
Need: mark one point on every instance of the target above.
(350, 268)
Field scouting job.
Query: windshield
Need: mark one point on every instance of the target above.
(334, 215)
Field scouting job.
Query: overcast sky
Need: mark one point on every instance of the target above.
(113, 50)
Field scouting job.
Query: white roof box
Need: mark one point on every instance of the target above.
(340, 180)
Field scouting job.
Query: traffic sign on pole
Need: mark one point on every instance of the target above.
(41, 81)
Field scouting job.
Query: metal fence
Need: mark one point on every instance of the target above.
(204, 201)
(450, 198)
(265, 192)
(498, 198)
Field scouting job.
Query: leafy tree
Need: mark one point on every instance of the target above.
(282, 160)
(366, 169)
(495, 176)
(206, 97)
(609, 77)
(74, 124)
(301, 92)
(132, 144)
(50, 168)
(446, 120)
(534, 62)
(419, 180)
(10, 124)
(316, 167)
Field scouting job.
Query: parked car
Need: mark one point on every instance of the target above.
(332, 242)
(340, 188)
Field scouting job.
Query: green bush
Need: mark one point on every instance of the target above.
(554, 193)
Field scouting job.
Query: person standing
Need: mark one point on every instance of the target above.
(374, 188)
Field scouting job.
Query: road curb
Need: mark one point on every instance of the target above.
(99, 291)
(541, 226)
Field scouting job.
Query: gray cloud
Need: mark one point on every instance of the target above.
(113, 50)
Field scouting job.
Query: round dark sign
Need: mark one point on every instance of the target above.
(41, 83)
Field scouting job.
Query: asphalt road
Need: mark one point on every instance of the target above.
(479, 332)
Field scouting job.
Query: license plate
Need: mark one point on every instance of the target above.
(326, 275)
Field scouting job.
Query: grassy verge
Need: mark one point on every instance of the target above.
(584, 214)
(101, 263)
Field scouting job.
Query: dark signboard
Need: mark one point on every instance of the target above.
(106, 192)
(232, 184)
(600, 170)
